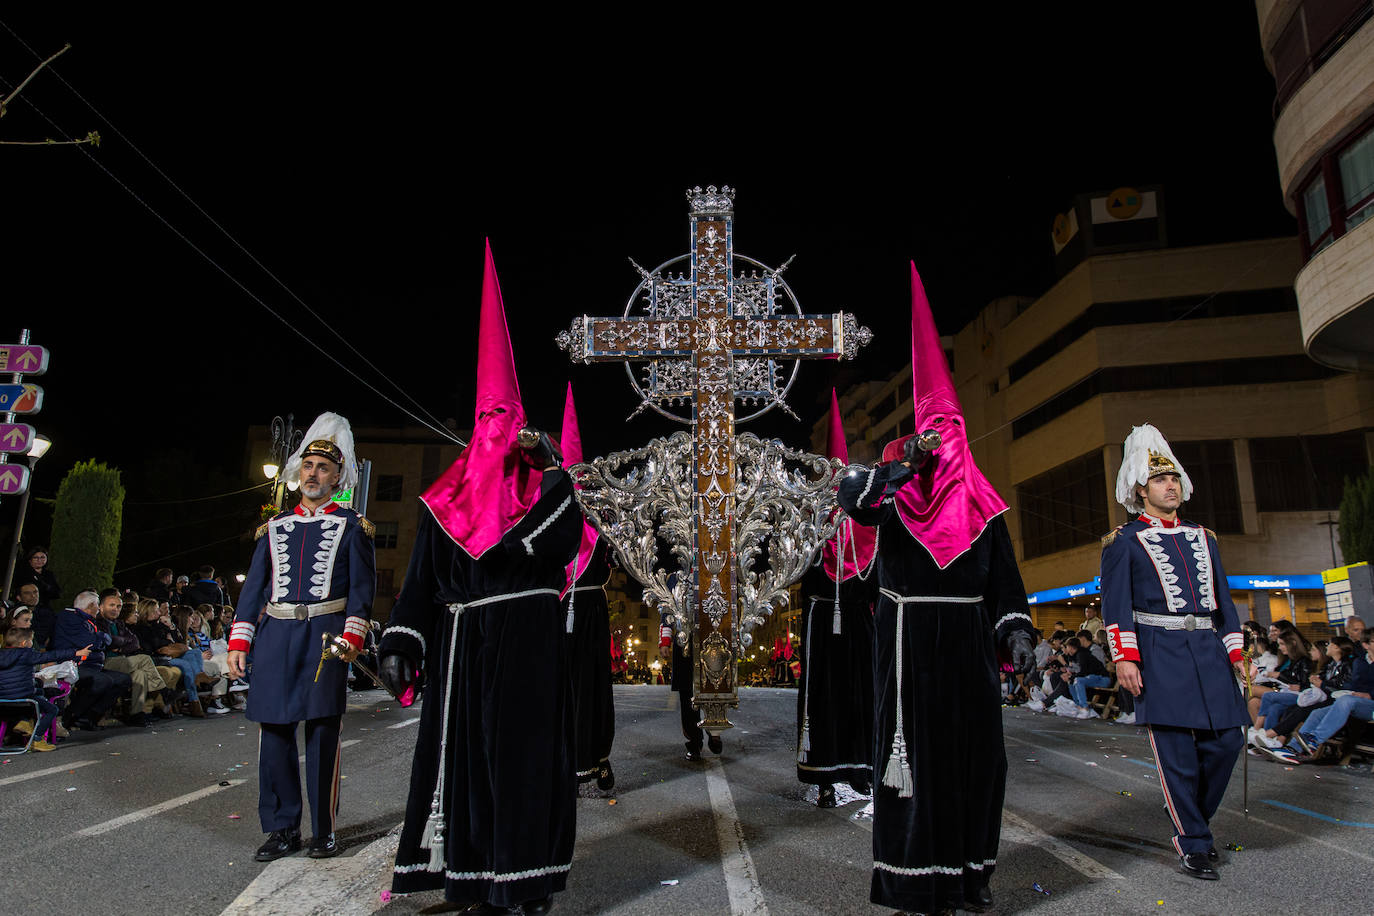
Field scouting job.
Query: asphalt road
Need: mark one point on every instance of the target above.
(139, 822)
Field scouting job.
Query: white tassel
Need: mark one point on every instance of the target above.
(432, 838)
(835, 622)
(805, 747)
(572, 595)
(570, 617)
(898, 772)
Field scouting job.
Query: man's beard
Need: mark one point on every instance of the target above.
(315, 491)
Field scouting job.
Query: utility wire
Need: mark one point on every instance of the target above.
(199, 499)
(434, 427)
(180, 553)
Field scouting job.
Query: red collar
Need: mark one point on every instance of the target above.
(1159, 522)
(327, 508)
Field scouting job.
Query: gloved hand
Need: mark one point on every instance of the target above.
(539, 448)
(399, 676)
(1022, 652)
(918, 448)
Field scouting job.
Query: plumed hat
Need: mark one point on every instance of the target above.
(330, 437)
(1146, 454)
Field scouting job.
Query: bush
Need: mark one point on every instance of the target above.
(86, 527)
(1357, 519)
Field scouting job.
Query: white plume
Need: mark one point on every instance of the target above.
(1135, 466)
(335, 428)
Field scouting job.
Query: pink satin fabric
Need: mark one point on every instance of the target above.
(860, 541)
(571, 440)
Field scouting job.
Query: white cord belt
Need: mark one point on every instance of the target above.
(930, 599)
(459, 607)
(1174, 621)
(283, 611)
(590, 588)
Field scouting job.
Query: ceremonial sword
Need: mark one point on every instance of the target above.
(331, 649)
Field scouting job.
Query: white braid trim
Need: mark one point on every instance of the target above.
(868, 486)
(916, 872)
(500, 877)
(838, 766)
(1006, 617)
(408, 632)
(529, 548)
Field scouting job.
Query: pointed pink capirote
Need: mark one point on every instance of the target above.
(950, 503)
(570, 438)
(860, 541)
(490, 488)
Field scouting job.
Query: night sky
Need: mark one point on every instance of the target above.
(363, 160)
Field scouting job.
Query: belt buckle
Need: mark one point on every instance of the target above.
(1190, 623)
(303, 612)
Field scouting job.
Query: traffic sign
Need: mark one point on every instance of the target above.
(24, 358)
(14, 479)
(15, 437)
(24, 398)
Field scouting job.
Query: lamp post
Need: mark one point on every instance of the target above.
(285, 439)
(40, 447)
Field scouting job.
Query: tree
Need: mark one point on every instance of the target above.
(1357, 519)
(86, 526)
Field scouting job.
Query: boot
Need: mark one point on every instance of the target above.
(195, 710)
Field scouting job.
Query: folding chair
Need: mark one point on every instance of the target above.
(1103, 699)
(5, 724)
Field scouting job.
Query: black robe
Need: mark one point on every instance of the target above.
(593, 707)
(835, 693)
(936, 848)
(509, 795)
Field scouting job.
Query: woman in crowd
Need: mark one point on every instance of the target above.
(1290, 676)
(1273, 732)
(192, 624)
(160, 639)
(35, 569)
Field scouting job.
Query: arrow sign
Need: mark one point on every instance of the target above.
(23, 358)
(20, 399)
(15, 437)
(14, 479)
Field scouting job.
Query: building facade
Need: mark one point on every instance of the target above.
(1321, 53)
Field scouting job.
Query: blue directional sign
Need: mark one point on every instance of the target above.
(23, 398)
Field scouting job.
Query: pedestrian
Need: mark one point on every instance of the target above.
(35, 569)
(1165, 602)
(589, 635)
(492, 807)
(285, 610)
(835, 693)
(950, 594)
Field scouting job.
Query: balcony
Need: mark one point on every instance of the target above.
(1336, 301)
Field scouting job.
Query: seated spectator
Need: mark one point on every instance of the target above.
(42, 617)
(160, 639)
(1354, 629)
(1099, 648)
(126, 655)
(1290, 676)
(213, 675)
(1084, 672)
(1323, 724)
(97, 690)
(179, 590)
(1271, 735)
(17, 661)
(160, 588)
(164, 701)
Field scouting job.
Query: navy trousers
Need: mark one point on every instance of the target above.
(1194, 767)
(279, 775)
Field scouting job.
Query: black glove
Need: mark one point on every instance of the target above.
(918, 448)
(1022, 652)
(398, 674)
(539, 448)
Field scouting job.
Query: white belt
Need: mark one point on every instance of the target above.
(459, 607)
(283, 611)
(590, 588)
(930, 599)
(1174, 621)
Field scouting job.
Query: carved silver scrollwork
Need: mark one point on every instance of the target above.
(784, 500)
(574, 340)
(855, 335)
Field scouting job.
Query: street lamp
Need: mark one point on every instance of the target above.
(269, 470)
(285, 439)
(37, 450)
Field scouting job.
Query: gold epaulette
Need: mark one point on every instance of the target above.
(1111, 536)
(1210, 533)
(262, 529)
(369, 529)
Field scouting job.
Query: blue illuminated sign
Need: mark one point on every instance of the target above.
(1235, 583)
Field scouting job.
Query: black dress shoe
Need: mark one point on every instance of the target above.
(827, 797)
(279, 843)
(1213, 855)
(86, 725)
(323, 847)
(693, 754)
(605, 780)
(980, 901)
(542, 905)
(714, 743)
(1196, 864)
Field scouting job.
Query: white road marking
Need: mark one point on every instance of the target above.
(298, 886)
(741, 878)
(1298, 833)
(405, 723)
(1019, 830)
(11, 780)
(153, 810)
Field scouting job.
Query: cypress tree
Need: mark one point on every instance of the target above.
(86, 527)
(1357, 519)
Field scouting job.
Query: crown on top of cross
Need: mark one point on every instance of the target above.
(711, 200)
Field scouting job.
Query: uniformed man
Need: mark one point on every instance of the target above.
(1175, 638)
(313, 572)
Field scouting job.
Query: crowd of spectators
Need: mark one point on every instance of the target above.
(116, 657)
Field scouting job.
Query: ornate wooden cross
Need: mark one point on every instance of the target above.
(713, 338)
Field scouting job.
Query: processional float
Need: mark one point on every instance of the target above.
(743, 517)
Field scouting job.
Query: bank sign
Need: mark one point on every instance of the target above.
(1234, 583)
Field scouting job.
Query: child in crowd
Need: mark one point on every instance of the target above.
(17, 661)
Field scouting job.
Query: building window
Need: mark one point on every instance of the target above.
(386, 534)
(1339, 195)
(1211, 466)
(1063, 508)
(1356, 166)
(1318, 215)
(1305, 473)
(389, 488)
(1313, 35)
